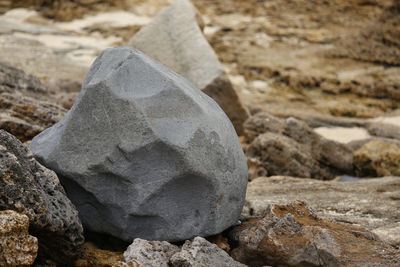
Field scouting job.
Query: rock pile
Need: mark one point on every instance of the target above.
(30, 189)
(175, 39)
(142, 153)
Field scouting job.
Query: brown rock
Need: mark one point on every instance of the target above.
(373, 203)
(175, 39)
(95, 257)
(293, 235)
(25, 117)
(377, 158)
(291, 147)
(17, 247)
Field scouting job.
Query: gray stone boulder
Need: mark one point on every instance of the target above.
(144, 154)
(175, 39)
(32, 190)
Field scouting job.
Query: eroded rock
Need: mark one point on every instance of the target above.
(150, 253)
(293, 235)
(142, 153)
(30, 189)
(175, 39)
(17, 247)
(372, 203)
(201, 253)
(291, 147)
(377, 158)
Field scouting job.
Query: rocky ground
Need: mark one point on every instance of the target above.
(312, 88)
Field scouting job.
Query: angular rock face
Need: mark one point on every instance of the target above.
(291, 147)
(175, 39)
(377, 158)
(292, 235)
(372, 203)
(142, 153)
(201, 253)
(17, 247)
(29, 188)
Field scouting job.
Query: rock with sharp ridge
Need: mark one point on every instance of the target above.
(144, 154)
(174, 38)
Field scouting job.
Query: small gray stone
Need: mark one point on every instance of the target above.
(201, 253)
(30, 189)
(142, 153)
(175, 39)
(150, 253)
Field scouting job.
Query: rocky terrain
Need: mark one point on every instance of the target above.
(109, 158)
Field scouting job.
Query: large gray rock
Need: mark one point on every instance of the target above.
(30, 189)
(175, 39)
(142, 153)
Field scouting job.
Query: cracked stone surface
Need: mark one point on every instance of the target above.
(144, 154)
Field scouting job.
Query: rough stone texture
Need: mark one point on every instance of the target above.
(12, 79)
(292, 235)
(150, 253)
(17, 247)
(63, 10)
(201, 253)
(92, 256)
(142, 153)
(371, 203)
(291, 147)
(26, 117)
(377, 158)
(175, 39)
(21, 114)
(29, 188)
(384, 130)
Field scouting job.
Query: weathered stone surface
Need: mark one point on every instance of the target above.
(92, 256)
(292, 235)
(150, 253)
(291, 147)
(142, 153)
(12, 79)
(371, 203)
(380, 127)
(201, 253)
(25, 117)
(21, 114)
(377, 158)
(29, 188)
(17, 247)
(175, 39)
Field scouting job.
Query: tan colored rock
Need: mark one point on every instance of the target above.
(377, 158)
(25, 117)
(293, 235)
(94, 257)
(291, 147)
(372, 203)
(175, 39)
(17, 247)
